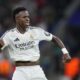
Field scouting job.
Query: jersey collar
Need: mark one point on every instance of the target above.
(27, 28)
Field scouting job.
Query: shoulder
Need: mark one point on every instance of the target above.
(5, 33)
(35, 28)
(8, 32)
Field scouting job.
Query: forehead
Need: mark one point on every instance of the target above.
(23, 13)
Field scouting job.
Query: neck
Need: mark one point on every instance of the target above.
(21, 29)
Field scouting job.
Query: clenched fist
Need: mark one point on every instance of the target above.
(66, 58)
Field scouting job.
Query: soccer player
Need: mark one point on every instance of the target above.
(22, 43)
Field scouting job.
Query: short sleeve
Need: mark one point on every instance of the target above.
(5, 40)
(44, 35)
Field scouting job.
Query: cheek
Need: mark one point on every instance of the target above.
(21, 22)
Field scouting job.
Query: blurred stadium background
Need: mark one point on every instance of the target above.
(59, 17)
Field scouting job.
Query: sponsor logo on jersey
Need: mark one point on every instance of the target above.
(25, 46)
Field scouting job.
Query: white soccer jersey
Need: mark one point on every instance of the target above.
(25, 47)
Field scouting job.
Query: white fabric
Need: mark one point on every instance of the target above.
(25, 47)
(29, 73)
(65, 51)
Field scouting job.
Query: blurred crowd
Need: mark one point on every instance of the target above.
(59, 17)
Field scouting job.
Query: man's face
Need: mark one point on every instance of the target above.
(22, 18)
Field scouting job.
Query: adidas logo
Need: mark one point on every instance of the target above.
(16, 39)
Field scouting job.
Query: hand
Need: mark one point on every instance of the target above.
(66, 58)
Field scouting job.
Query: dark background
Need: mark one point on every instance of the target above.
(59, 17)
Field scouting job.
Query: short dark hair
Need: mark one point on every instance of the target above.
(17, 10)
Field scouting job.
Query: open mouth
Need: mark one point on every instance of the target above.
(27, 23)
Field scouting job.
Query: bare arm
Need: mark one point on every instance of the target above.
(57, 41)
